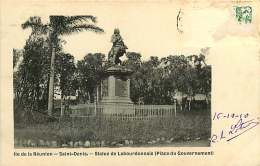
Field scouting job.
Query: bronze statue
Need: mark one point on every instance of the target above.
(118, 49)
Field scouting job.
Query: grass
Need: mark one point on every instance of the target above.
(184, 130)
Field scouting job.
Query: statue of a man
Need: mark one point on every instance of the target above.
(118, 49)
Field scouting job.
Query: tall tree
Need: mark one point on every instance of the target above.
(30, 77)
(134, 63)
(58, 26)
(89, 70)
(66, 71)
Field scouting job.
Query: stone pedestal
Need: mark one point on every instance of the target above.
(115, 91)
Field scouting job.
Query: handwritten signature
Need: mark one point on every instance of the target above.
(242, 126)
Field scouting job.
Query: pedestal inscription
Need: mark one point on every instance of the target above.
(121, 88)
(116, 91)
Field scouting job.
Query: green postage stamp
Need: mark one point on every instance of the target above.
(243, 14)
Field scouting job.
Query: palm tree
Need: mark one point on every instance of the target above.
(58, 26)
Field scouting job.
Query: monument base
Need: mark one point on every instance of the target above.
(115, 91)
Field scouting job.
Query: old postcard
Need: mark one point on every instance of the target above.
(130, 82)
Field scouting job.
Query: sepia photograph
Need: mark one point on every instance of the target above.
(115, 82)
(117, 95)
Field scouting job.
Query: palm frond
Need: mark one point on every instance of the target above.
(81, 18)
(83, 27)
(58, 23)
(36, 24)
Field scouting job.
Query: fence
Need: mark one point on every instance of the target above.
(124, 112)
(141, 122)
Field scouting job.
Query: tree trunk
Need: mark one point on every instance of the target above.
(61, 107)
(190, 104)
(89, 97)
(51, 83)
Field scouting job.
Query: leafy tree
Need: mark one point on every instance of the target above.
(155, 81)
(65, 77)
(134, 63)
(153, 76)
(89, 70)
(58, 26)
(66, 70)
(17, 55)
(30, 80)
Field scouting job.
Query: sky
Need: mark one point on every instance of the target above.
(145, 28)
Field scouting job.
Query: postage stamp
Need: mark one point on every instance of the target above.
(243, 14)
